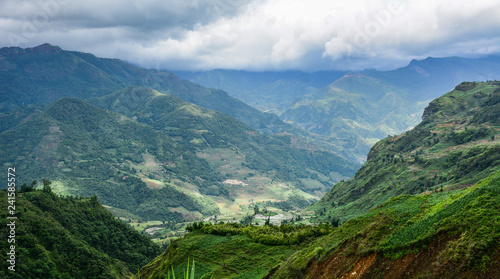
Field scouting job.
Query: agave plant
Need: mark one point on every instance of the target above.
(187, 274)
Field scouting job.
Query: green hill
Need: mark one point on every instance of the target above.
(424, 205)
(87, 151)
(254, 166)
(70, 237)
(454, 146)
(437, 235)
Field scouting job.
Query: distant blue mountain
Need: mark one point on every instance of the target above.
(432, 77)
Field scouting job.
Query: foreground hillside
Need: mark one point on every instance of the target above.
(453, 234)
(69, 237)
(425, 205)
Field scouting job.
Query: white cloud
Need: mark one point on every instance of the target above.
(258, 34)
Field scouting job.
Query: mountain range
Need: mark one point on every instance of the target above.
(349, 112)
(45, 73)
(268, 91)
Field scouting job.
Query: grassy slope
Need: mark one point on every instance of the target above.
(231, 250)
(60, 237)
(440, 235)
(452, 148)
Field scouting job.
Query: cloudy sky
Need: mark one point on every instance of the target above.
(256, 34)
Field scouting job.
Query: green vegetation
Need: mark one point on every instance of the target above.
(228, 256)
(70, 237)
(268, 234)
(188, 274)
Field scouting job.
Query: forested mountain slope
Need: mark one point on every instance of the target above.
(69, 237)
(45, 73)
(86, 151)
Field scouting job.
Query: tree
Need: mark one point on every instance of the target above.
(93, 200)
(335, 222)
(26, 188)
(256, 210)
(46, 186)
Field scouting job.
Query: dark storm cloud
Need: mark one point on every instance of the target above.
(257, 34)
(147, 17)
